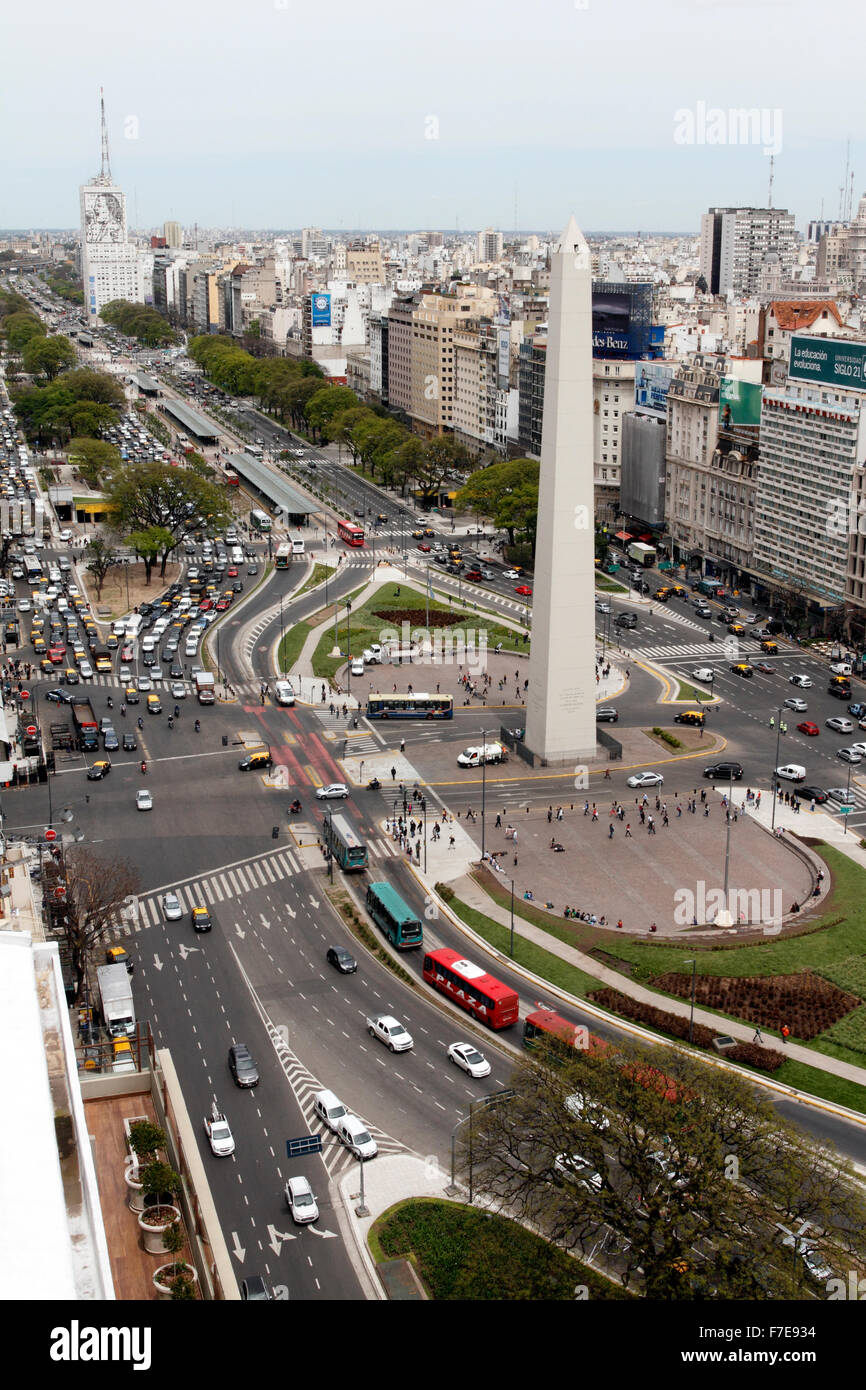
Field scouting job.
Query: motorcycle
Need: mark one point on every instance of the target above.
(197, 726)
(295, 807)
(143, 769)
(374, 784)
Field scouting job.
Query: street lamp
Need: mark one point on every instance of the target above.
(329, 842)
(694, 965)
(349, 648)
(511, 947)
(775, 765)
(483, 787)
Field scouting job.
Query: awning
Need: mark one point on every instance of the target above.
(623, 536)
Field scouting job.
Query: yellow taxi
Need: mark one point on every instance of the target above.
(200, 918)
(103, 663)
(132, 696)
(39, 645)
(153, 705)
(736, 629)
(71, 676)
(770, 647)
(46, 666)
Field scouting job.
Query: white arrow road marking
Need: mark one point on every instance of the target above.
(276, 1237)
(326, 1235)
(238, 1250)
(314, 902)
(188, 950)
(239, 932)
(264, 921)
(157, 963)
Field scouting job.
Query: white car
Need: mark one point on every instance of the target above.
(513, 574)
(705, 674)
(841, 723)
(804, 682)
(332, 790)
(469, 1058)
(811, 1256)
(143, 800)
(576, 1168)
(218, 1131)
(576, 1105)
(358, 666)
(65, 535)
(178, 690)
(354, 1134)
(646, 779)
(795, 703)
(171, 907)
(300, 1201)
(85, 671)
(791, 772)
(24, 605)
(144, 683)
(859, 748)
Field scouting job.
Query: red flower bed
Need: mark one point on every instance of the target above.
(808, 1004)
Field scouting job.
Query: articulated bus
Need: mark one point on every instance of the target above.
(350, 533)
(471, 987)
(388, 910)
(283, 557)
(410, 706)
(346, 846)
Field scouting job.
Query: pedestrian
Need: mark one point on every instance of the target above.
(706, 811)
(628, 836)
(559, 813)
(665, 820)
(786, 1032)
(619, 925)
(393, 774)
(549, 814)
(402, 745)
(812, 804)
(610, 831)
(758, 1038)
(498, 822)
(594, 812)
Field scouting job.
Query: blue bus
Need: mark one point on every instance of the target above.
(346, 846)
(410, 707)
(388, 910)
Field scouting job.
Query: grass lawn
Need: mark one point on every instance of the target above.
(691, 692)
(292, 645)
(367, 628)
(610, 585)
(319, 575)
(462, 1253)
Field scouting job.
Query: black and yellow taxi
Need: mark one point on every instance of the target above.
(98, 770)
(70, 676)
(771, 648)
(736, 629)
(742, 668)
(40, 646)
(662, 594)
(260, 758)
(153, 704)
(200, 919)
(695, 717)
(677, 591)
(131, 695)
(46, 666)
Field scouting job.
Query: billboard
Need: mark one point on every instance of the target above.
(739, 403)
(651, 382)
(828, 361)
(321, 310)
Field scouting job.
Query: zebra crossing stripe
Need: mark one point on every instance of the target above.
(293, 863)
(266, 871)
(212, 890)
(235, 881)
(277, 868)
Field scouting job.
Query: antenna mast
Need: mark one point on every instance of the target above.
(105, 170)
(770, 189)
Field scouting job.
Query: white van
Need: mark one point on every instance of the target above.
(839, 668)
(148, 643)
(792, 772)
(237, 555)
(354, 1134)
(329, 1109)
(283, 693)
(191, 647)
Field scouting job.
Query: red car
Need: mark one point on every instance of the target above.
(205, 604)
(764, 669)
(56, 655)
(524, 590)
(424, 546)
(223, 604)
(232, 572)
(127, 654)
(807, 727)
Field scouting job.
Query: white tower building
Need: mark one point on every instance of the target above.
(560, 708)
(109, 263)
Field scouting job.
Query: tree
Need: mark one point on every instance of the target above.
(339, 429)
(20, 327)
(95, 459)
(328, 402)
(101, 557)
(48, 357)
(440, 459)
(85, 384)
(156, 495)
(149, 545)
(693, 1173)
(96, 890)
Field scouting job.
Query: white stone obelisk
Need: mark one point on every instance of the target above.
(560, 708)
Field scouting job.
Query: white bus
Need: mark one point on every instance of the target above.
(296, 540)
(259, 520)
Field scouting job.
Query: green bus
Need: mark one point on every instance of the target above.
(346, 846)
(388, 910)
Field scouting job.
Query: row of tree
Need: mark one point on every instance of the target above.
(138, 321)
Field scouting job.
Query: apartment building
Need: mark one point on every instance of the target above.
(736, 242)
(364, 265)
(692, 435)
(612, 397)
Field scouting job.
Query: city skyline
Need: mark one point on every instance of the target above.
(290, 126)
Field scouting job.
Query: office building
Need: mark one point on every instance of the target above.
(109, 261)
(736, 242)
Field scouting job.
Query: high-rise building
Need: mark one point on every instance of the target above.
(735, 242)
(173, 235)
(488, 245)
(109, 262)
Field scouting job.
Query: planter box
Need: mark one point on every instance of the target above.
(135, 1199)
(151, 1234)
(162, 1288)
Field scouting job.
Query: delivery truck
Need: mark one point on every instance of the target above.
(205, 687)
(642, 554)
(86, 726)
(115, 1000)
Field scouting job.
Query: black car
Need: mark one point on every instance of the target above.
(148, 658)
(842, 692)
(606, 714)
(98, 770)
(130, 743)
(341, 960)
(816, 794)
(242, 1066)
(110, 741)
(255, 1290)
(723, 772)
(238, 586)
(176, 671)
(60, 697)
(252, 569)
(625, 620)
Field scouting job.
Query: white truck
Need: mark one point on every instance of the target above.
(205, 687)
(115, 1000)
(484, 753)
(389, 1031)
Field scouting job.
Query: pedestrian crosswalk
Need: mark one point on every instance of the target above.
(358, 742)
(209, 890)
(676, 650)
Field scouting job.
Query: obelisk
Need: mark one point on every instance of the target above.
(560, 707)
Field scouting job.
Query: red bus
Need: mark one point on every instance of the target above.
(350, 533)
(471, 987)
(231, 478)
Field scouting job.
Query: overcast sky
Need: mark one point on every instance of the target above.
(386, 114)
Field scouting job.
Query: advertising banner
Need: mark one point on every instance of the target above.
(651, 383)
(828, 361)
(739, 403)
(321, 310)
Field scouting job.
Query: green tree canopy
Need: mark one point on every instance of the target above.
(95, 459)
(150, 544)
(155, 494)
(48, 357)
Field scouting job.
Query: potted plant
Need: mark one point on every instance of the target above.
(145, 1140)
(178, 1279)
(159, 1183)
